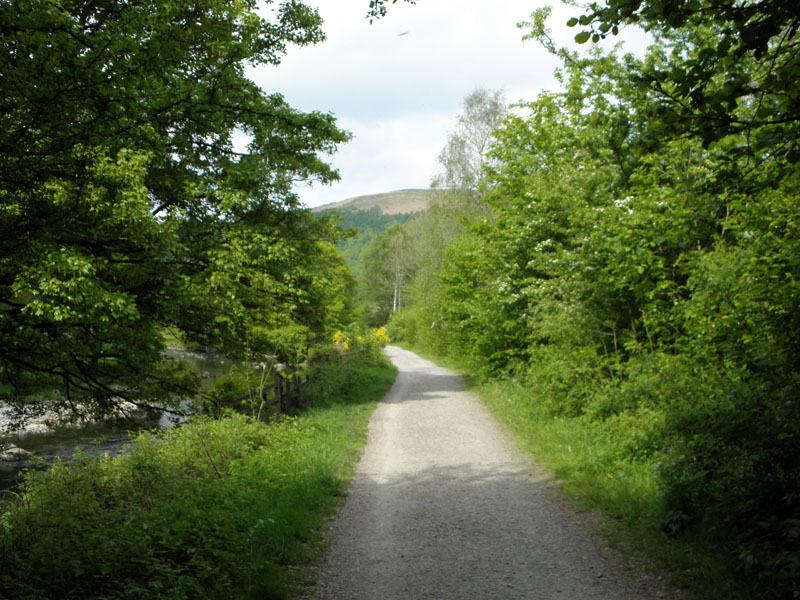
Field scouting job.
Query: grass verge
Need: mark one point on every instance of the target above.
(588, 459)
(217, 508)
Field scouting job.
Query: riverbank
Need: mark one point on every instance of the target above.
(47, 437)
(223, 508)
(51, 445)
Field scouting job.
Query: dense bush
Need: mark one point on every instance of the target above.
(732, 470)
(170, 518)
(343, 377)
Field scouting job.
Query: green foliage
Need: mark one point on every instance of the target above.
(399, 269)
(641, 285)
(421, 320)
(731, 470)
(464, 156)
(386, 270)
(213, 509)
(377, 8)
(368, 224)
(247, 389)
(368, 221)
(377, 284)
(731, 66)
(344, 379)
(126, 209)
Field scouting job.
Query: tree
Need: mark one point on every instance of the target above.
(639, 268)
(732, 67)
(125, 210)
(388, 268)
(634, 274)
(463, 159)
(460, 184)
(377, 8)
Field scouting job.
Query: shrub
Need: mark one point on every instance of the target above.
(380, 336)
(564, 379)
(732, 472)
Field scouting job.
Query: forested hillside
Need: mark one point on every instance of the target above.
(368, 231)
(364, 225)
(629, 260)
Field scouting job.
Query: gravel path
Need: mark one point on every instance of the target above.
(444, 507)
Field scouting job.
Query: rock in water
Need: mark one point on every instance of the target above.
(13, 454)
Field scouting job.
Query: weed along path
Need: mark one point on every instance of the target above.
(444, 507)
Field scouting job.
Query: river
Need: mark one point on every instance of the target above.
(51, 444)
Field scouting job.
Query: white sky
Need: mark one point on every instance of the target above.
(398, 84)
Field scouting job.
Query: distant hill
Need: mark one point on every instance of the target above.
(390, 203)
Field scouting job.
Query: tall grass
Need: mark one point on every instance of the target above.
(217, 508)
(594, 464)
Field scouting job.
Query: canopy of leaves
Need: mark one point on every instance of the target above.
(733, 66)
(125, 209)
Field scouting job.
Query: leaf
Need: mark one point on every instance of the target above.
(583, 37)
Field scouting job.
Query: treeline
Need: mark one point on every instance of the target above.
(375, 286)
(630, 259)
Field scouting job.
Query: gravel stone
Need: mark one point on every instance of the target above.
(445, 507)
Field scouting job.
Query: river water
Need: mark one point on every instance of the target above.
(51, 444)
(61, 444)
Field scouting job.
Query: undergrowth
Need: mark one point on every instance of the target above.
(217, 508)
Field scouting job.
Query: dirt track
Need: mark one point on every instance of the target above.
(444, 507)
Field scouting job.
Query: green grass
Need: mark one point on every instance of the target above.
(218, 508)
(592, 462)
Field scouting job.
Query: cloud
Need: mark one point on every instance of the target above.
(449, 48)
(385, 155)
(399, 83)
